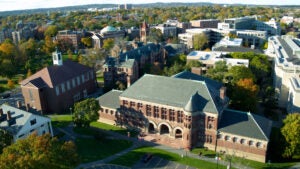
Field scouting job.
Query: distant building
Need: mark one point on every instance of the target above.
(23, 31)
(287, 20)
(181, 26)
(234, 42)
(20, 123)
(271, 27)
(105, 33)
(252, 38)
(167, 30)
(285, 51)
(189, 111)
(206, 23)
(208, 59)
(5, 34)
(73, 36)
(125, 6)
(55, 88)
(294, 95)
(239, 23)
(188, 37)
(144, 32)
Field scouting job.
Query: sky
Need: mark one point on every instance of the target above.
(9, 5)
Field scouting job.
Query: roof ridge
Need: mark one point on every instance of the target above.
(212, 100)
(250, 114)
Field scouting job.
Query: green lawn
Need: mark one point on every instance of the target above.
(204, 152)
(60, 120)
(132, 157)
(113, 128)
(92, 150)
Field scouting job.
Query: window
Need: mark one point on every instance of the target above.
(179, 117)
(68, 85)
(63, 88)
(30, 95)
(73, 83)
(33, 122)
(76, 97)
(140, 106)
(156, 115)
(21, 135)
(125, 102)
(85, 93)
(148, 110)
(78, 80)
(227, 138)
(87, 77)
(132, 104)
(251, 143)
(219, 136)
(259, 145)
(82, 78)
(172, 115)
(57, 90)
(234, 139)
(163, 113)
(243, 141)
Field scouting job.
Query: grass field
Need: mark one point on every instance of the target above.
(60, 120)
(119, 130)
(92, 150)
(132, 157)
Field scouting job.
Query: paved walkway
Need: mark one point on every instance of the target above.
(71, 135)
(297, 166)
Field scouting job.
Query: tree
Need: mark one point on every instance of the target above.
(291, 133)
(51, 31)
(108, 44)
(87, 41)
(5, 139)
(85, 112)
(155, 35)
(244, 95)
(10, 84)
(39, 152)
(200, 41)
(193, 63)
(49, 46)
(218, 72)
(235, 73)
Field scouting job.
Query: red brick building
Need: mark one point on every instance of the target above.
(55, 88)
(190, 110)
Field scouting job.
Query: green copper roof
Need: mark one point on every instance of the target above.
(245, 124)
(171, 91)
(110, 99)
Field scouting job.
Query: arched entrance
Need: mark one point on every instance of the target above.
(178, 133)
(164, 129)
(151, 128)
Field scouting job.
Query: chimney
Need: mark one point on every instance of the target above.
(223, 92)
(19, 104)
(1, 112)
(196, 70)
(27, 107)
(8, 115)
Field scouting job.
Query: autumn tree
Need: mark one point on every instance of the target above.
(291, 133)
(85, 112)
(200, 41)
(9, 59)
(244, 95)
(108, 44)
(10, 84)
(5, 139)
(87, 41)
(51, 31)
(49, 45)
(218, 71)
(235, 73)
(39, 152)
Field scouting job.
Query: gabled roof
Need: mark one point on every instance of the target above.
(245, 124)
(54, 75)
(19, 118)
(171, 91)
(188, 75)
(110, 99)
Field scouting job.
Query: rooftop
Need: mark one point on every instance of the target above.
(110, 99)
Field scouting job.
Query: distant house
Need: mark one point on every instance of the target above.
(190, 111)
(55, 88)
(20, 123)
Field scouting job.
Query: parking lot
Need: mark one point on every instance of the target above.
(156, 162)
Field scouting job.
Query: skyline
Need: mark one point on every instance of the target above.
(10, 5)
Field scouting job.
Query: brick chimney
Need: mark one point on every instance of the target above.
(19, 104)
(223, 92)
(8, 115)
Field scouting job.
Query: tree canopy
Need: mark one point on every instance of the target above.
(291, 133)
(39, 152)
(5, 139)
(200, 41)
(85, 112)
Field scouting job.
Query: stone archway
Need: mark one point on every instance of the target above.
(164, 129)
(178, 133)
(151, 128)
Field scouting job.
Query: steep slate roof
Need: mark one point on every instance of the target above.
(18, 119)
(171, 91)
(139, 52)
(245, 124)
(110, 99)
(54, 75)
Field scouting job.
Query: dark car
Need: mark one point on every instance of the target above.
(146, 157)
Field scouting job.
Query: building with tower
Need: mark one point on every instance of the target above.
(55, 88)
(187, 111)
(144, 32)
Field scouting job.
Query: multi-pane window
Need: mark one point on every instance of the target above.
(148, 110)
(73, 82)
(132, 104)
(179, 117)
(172, 115)
(68, 85)
(140, 106)
(125, 102)
(163, 113)
(57, 90)
(156, 115)
(63, 88)
(82, 78)
(78, 80)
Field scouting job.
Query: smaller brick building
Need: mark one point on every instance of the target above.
(55, 88)
(189, 109)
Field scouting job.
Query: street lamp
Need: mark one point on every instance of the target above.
(217, 158)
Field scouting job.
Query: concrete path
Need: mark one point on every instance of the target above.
(297, 166)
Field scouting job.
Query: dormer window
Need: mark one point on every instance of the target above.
(32, 122)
